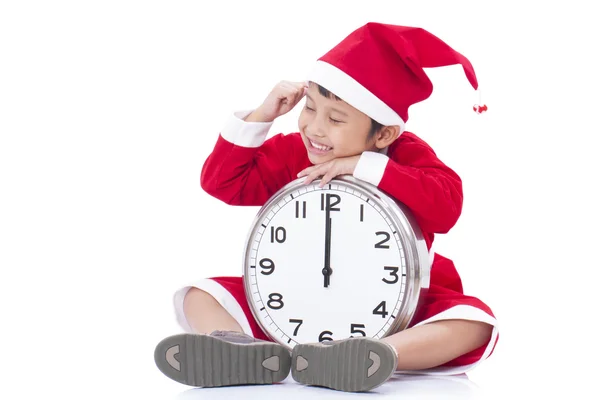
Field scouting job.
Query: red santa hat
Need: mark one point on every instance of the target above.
(378, 69)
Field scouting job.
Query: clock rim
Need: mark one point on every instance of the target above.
(418, 268)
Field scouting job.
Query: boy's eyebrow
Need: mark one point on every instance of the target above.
(332, 108)
(339, 111)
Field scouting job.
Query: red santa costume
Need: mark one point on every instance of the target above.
(378, 70)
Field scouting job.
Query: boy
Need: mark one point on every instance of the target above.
(353, 122)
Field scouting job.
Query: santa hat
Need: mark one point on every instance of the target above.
(378, 69)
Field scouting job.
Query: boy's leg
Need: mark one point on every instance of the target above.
(450, 334)
(362, 364)
(219, 347)
(434, 344)
(204, 314)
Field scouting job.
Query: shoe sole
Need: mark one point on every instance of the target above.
(354, 365)
(207, 361)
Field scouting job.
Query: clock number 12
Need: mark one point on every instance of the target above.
(329, 200)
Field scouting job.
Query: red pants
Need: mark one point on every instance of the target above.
(444, 300)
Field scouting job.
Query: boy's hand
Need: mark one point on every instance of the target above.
(284, 96)
(330, 169)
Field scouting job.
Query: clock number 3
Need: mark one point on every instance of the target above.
(393, 272)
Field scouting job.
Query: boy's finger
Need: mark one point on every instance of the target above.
(302, 173)
(302, 93)
(324, 181)
(294, 86)
(302, 85)
(311, 177)
(286, 93)
(327, 177)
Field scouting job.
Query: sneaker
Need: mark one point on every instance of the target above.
(223, 358)
(349, 365)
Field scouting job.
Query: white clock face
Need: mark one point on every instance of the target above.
(292, 297)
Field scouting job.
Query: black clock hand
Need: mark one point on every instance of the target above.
(327, 265)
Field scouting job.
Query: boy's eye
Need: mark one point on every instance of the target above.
(335, 121)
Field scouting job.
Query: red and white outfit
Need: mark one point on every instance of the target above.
(246, 169)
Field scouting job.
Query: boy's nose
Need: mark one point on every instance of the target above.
(314, 129)
(315, 133)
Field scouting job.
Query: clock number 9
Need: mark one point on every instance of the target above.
(267, 264)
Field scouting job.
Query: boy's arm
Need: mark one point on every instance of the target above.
(413, 175)
(246, 169)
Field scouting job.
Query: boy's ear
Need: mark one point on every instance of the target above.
(386, 136)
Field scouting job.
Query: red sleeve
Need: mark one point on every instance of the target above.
(413, 174)
(247, 172)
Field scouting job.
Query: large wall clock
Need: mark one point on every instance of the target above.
(330, 263)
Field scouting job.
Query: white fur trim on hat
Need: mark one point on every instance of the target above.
(353, 93)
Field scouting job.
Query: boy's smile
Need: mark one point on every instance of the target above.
(317, 148)
(332, 128)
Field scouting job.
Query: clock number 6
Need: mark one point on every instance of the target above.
(322, 336)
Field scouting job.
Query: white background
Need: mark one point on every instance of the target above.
(109, 108)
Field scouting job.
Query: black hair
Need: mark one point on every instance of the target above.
(375, 126)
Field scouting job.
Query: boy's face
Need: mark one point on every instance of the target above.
(332, 128)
